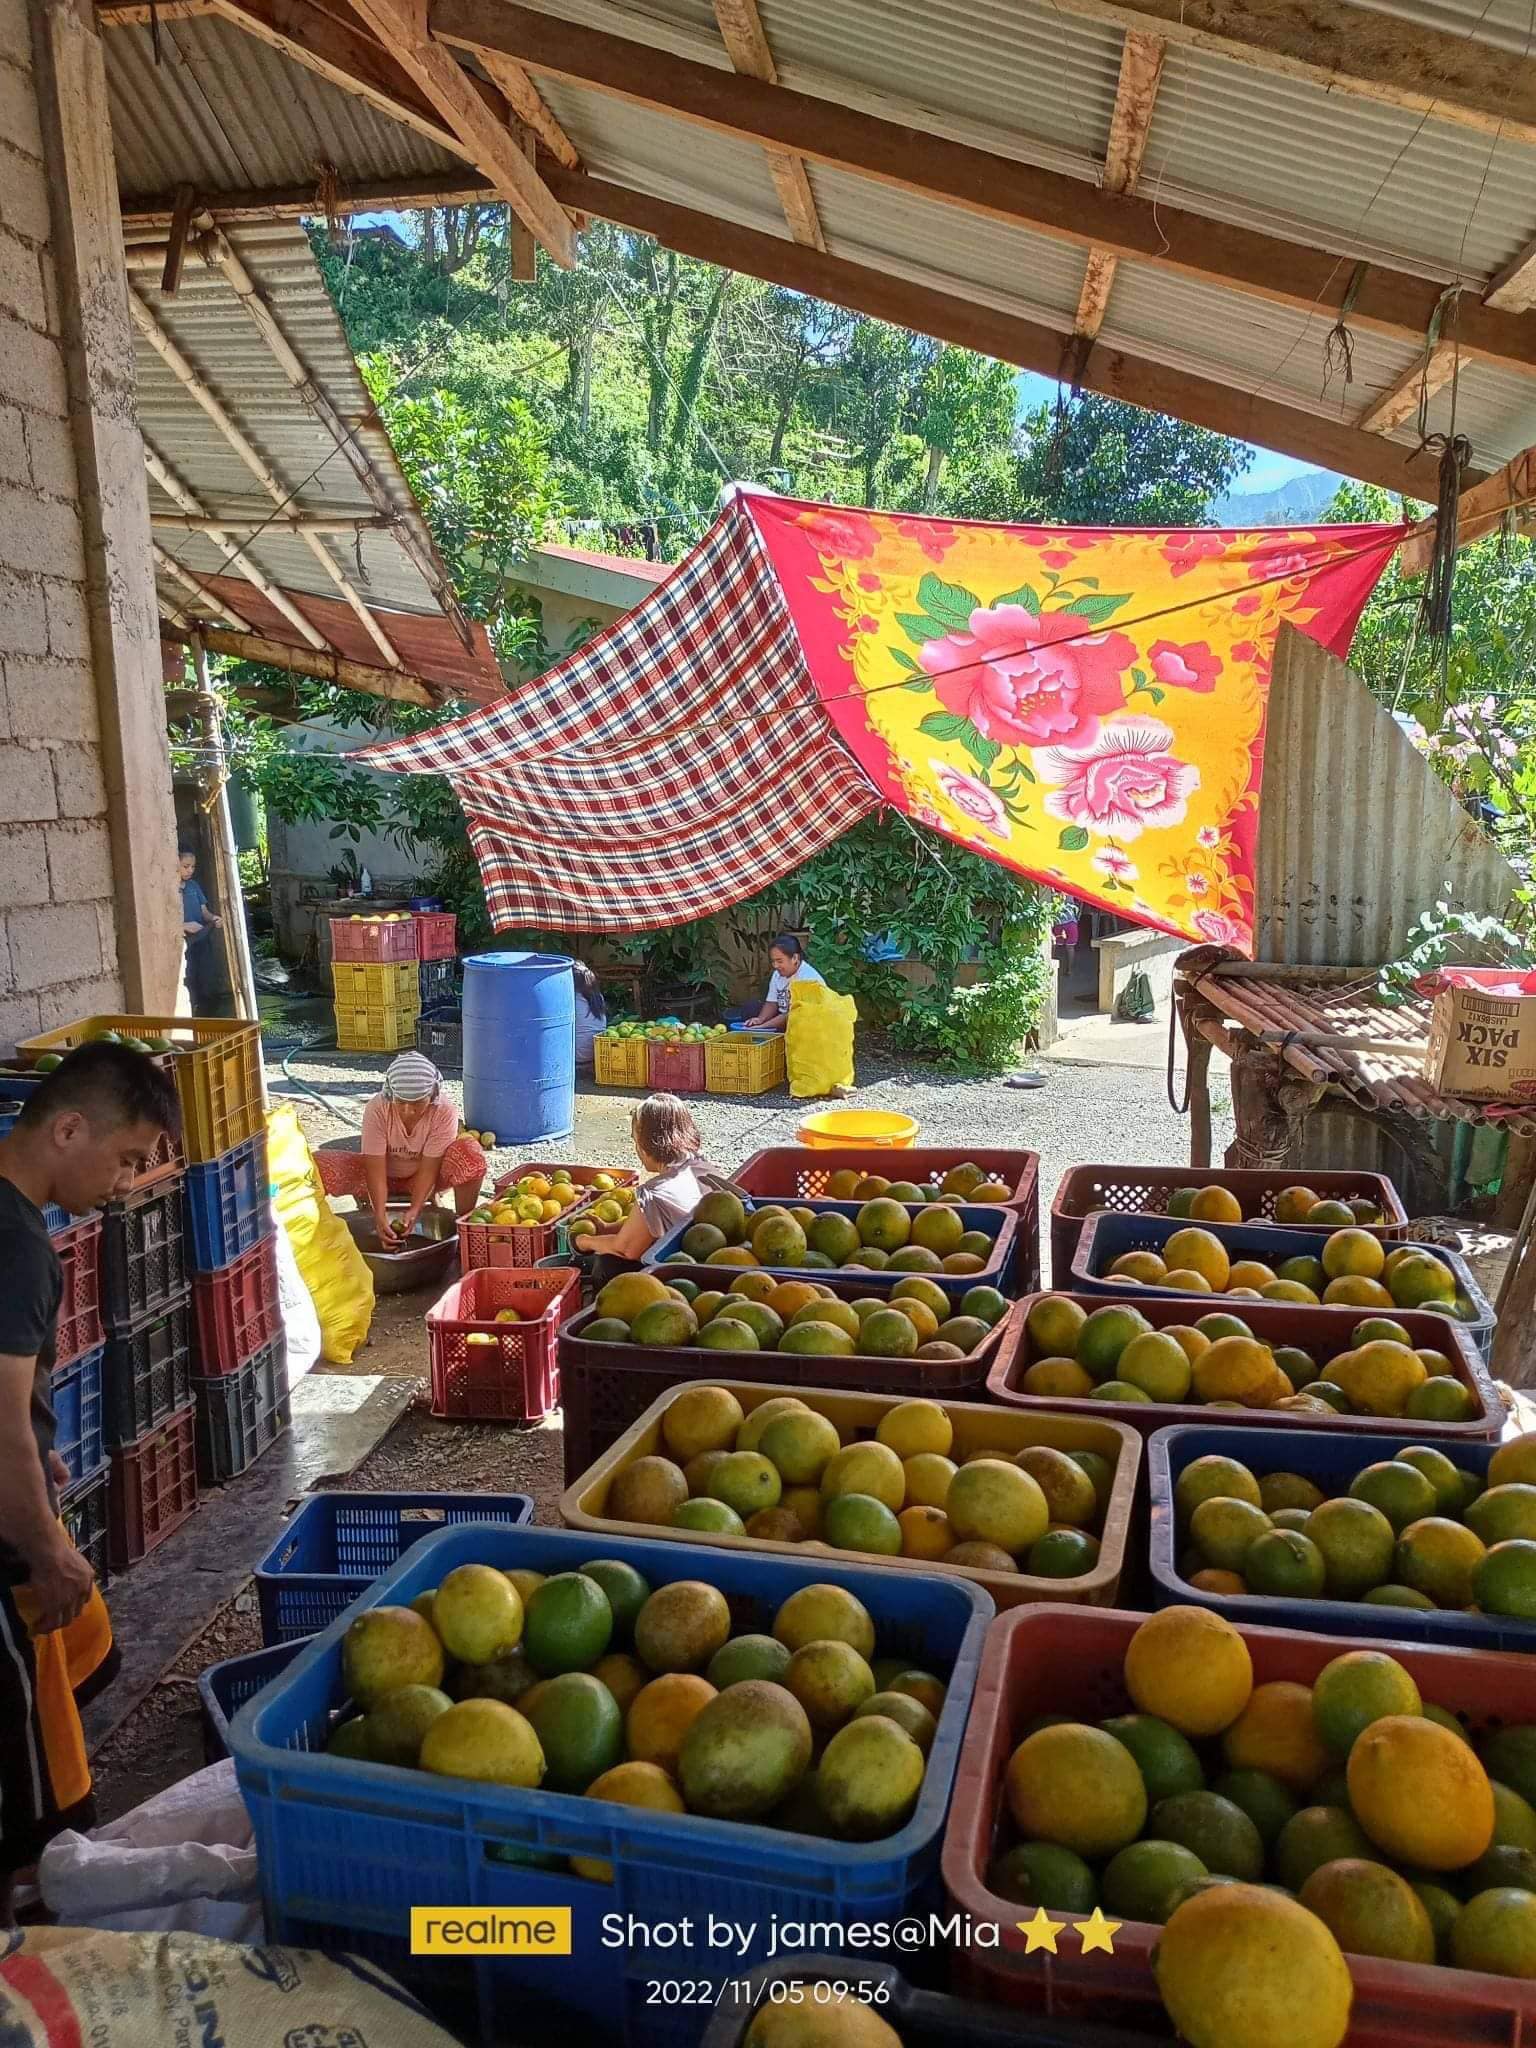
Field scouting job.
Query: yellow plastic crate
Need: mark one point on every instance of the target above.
(375, 1031)
(620, 1062)
(743, 1064)
(376, 984)
(216, 1062)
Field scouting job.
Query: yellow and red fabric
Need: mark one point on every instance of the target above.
(1085, 706)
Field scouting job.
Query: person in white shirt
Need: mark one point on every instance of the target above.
(789, 964)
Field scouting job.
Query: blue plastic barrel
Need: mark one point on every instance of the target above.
(519, 1012)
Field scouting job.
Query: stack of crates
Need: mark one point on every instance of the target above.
(240, 1378)
(149, 1295)
(376, 977)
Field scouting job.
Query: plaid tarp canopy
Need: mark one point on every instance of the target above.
(1085, 706)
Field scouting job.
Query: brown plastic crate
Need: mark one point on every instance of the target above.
(154, 1488)
(1070, 1660)
(801, 1172)
(1144, 1191)
(1324, 1330)
(606, 1388)
(372, 939)
(857, 1415)
(675, 1069)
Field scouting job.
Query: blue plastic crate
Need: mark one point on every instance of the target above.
(346, 1849)
(997, 1223)
(224, 1688)
(1106, 1237)
(228, 1205)
(1331, 1459)
(79, 1425)
(336, 1543)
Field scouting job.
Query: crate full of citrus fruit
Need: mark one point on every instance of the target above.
(527, 1217)
(1158, 1360)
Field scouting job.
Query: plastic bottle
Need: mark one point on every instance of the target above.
(365, 883)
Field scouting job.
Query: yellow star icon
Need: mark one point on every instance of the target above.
(1097, 1932)
(1041, 1932)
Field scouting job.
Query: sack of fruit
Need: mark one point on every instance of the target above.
(818, 1039)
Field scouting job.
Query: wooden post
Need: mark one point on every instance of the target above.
(237, 945)
(1197, 1086)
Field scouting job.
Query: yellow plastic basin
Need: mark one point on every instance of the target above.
(879, 1129)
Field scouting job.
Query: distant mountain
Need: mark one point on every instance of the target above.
(1300, 502)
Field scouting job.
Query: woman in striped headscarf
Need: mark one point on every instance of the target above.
(411, 1151)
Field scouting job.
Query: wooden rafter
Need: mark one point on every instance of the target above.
(483, 136)
(1130, 126)
(1514, 289)
(968, 322)
(249, 206)
(397, 685)
(1347, 48)
(1481, 510)
(746, 44)
(1310, 279)
(192, 381)
(1400, 400)
(531, 108)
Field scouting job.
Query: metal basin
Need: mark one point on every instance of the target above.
(421, 1262)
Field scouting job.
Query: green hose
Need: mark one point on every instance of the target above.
(325, 1102)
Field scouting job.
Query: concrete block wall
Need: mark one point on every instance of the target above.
(58, 944)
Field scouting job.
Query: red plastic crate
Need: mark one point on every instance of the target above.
(372, 940)
(803, 1171)
(1144, 1191)
(520, 1245)
(437, 934)
(237, 1311)
(515, 1377)
(153, 1488)
(79, 1327)
(675, 1069)
(1068, 1660)
(1323, 1330)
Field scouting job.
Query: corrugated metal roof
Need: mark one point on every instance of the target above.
(1356, 831)
(635, 147)
(224, 110)
(211, 328)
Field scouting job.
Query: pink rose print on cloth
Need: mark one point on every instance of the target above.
(1185, 668)
(1220, 929)
(1117, 864)
(1279, 558)
(1185, 551)
(1123, 782)
(972, 797)
(934, 536)
(1018, 679)
(847, 536)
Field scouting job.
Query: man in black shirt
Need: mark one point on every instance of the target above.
(88, 1129)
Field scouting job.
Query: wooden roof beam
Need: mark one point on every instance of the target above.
(1481, 510)
(1309, 279)
(960, 317)
(395, 685)
(1130, 126)
(1400, 400)
(747, 46)
(249, 206)
(485, 138)
(530, 107)
(1345, 48)
(192, 381)
(195, 588)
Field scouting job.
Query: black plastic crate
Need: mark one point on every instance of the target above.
(241, 1414)
(148, 1372)
(83, 1511)
(439, 987)
(143, 1256)
(441, 1038)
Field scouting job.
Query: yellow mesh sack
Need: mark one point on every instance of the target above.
(818, 1039)
(332, 1267)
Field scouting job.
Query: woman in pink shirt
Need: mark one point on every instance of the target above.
(411, 1150)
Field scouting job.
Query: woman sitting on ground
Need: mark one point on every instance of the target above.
(668, 1146)
(591, 1012)
(411, 1151)
(789, 964)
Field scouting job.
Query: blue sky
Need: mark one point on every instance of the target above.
(1268, 470)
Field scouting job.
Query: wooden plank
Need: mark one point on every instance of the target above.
(250, 205)
(344, 56)
(1346, 48)
(137, 13)
(530, 107)
(484, 138)
(1400, 401)
(176, 245)
(1514, 289)
(1130, 125)
(522, 249)
(1481, 509)
(396, 685)
(1307, 278)
(951, 316)
(747, 46)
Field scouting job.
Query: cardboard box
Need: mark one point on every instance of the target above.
(1482, 1034)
